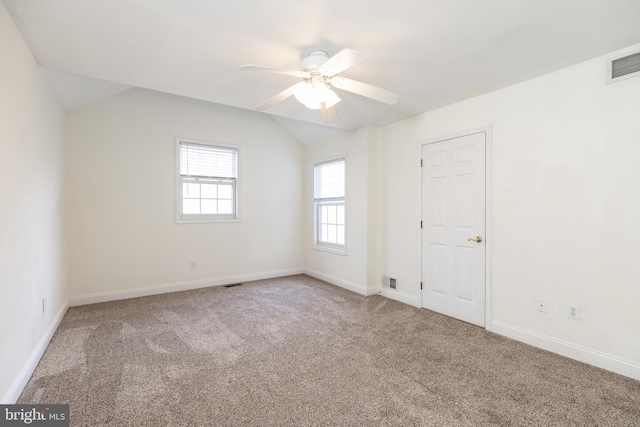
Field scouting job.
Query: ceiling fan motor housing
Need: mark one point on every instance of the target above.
(315, 59)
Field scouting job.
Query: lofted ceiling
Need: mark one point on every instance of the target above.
(430, 52)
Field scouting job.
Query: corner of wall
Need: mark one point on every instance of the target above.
(31, 363)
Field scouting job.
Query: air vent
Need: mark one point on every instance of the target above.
(623, 67)
(389, 282)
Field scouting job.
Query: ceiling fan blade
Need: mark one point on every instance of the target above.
(342, 60)
(329, 115)
(365, 89)
(263, 69)
(276, 98)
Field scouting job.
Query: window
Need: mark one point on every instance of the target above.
(207, 190)
(329, 200)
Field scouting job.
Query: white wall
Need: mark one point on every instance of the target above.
(566, 156)
(32, 256)
(122, 197)
(354, 269)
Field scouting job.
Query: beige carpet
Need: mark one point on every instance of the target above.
(296, 351)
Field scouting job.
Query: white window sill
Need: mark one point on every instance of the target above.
(205, 220)
(331, 249)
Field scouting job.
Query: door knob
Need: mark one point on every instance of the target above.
(475, 239)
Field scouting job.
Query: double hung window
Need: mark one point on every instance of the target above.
(329, 201)
(207, 188)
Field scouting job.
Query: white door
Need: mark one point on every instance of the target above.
(453, 232)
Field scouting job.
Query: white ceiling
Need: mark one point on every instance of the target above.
(431, 52)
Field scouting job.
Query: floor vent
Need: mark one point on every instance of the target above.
(232, 285)
(623, 66)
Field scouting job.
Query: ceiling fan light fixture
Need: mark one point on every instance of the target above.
(312, 95)
(302, 92)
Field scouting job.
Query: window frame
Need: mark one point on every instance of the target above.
(335, 201)
(206, 218)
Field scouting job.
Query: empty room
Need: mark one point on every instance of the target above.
(230, 213)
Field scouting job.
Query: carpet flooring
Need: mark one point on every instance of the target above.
(296, 351)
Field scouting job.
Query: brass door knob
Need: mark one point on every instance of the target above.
(475, 239)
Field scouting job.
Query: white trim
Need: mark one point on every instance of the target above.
(488, 229)
(351, 286)
(487, 130)
(401, 297)
(572, 351)
(30, 365)
(329, 249)
(176, 287)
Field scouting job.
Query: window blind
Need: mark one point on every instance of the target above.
(205, 161)
(329, 180)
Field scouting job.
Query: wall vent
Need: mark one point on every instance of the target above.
(389, 282)
(623, 66)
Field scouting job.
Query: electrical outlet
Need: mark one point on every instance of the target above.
(574, 312)
(193, 263)
(542, 305)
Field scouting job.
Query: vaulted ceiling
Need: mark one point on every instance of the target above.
(430, 52)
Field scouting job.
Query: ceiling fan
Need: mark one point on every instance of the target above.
(319, 73)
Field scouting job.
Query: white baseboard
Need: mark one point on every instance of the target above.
(353, 287)
(400, 296)
(30, 365)
(176, 287)
(572, 351)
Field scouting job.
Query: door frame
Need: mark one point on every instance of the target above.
(487, 130)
